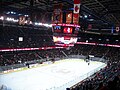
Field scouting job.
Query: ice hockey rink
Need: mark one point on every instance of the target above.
(57, 76)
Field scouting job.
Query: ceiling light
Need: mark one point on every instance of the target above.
(85, 16)
(1, 18)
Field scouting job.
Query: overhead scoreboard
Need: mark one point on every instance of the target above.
(65, 33)
(65, 25)
(68, 29)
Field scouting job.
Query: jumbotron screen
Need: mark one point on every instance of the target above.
(64, 40)
(68, 30)
(57, 29)
(65, 30)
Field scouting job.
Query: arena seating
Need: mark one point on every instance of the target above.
(31, 37)
(10, 58)
(109, 53)
(106, 79)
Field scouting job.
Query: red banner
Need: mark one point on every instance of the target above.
(69, 17)
(76, 1)
(57, 14)
(76, 18)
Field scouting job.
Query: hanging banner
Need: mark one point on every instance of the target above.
(76, 11)
(57, 14)
(69, 17)
(22, 20)
(75, 18)
(76, 6)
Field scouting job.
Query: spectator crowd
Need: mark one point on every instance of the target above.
(107, 78)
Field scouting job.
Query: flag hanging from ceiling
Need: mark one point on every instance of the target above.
(68, 17)
(57, 14)
(76, 11)
(22, 20)
(76, 6)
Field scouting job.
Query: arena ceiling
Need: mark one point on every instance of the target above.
(100, 12)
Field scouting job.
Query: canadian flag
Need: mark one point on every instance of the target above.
(76, 6)
(76, 11)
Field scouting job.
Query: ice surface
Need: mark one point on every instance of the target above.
(57, 76)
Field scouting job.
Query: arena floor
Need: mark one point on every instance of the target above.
(57, 76)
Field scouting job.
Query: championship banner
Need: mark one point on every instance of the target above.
(76, 18)
(57, 14)
(76, 11)
(68, 17)
(22, 20)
